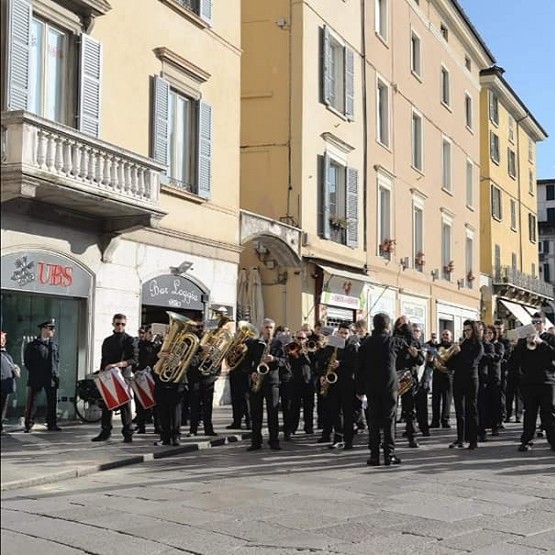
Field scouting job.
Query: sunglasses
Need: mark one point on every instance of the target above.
(120, 324)
(537, 322)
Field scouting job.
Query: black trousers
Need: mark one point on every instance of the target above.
(168, 411)
(286, 395)
(538, 398)
(408, 412)
(270, 393)
(465, 393)
(381, 416)
(126, 420)
(503, 395)
(303, 396)
(4, 407)
(442, 396)
(240, 402)
(513, 400)
(421, 406)
(201, 395)
(51, 405)
(489, 406)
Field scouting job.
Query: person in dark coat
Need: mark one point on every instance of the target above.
(534, 358)
(118, 351)
(442, 383)
(147, 351)
(42, 360)
(9, 373)
(377, 379)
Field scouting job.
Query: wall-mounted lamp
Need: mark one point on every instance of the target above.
(435, 274)
(460, 283)
(404, 262)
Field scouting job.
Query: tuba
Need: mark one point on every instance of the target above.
(218, 343)
(238, 350)
(405, 383)
(181, 343)
(443, 355)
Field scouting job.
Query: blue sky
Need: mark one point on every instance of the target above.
(520, 35)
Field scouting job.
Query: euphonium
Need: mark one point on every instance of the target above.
(218, 343)
(262, 369)
(181, 343)
(443, 355)
(238, 350)
(405, 383)
(330, 377)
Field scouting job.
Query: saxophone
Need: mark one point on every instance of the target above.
(261, 370)
(330, 377)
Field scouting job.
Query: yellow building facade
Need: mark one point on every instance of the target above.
(511, 287)
(365, 138)
(120, 167)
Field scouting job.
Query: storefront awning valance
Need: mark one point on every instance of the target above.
(342, 282)
(518, 311)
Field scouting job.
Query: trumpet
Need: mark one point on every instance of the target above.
(295, 349)
(531, 344)
(313, 345)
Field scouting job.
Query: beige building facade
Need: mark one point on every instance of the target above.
(120, 168)
(366, 139)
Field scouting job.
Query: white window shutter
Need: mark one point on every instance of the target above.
(18, 53)
(352, 207)
(160, 116)
(327, 73)
(349, 84)
(325, 197)
(89, 86)
(204, 150)
(206, 11)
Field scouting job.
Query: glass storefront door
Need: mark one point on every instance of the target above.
(20, 315)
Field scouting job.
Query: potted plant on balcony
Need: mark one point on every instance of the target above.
(388, 246)
(450, 268)
(419, 259)
(338, 223)
(470, 276)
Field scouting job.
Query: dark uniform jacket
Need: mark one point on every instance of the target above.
(465, 363)
(42, 360)
(117, 348)
(256, 350)
(535, 366)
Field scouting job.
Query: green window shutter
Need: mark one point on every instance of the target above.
(325, 230)
(205, 11)
(89, 86)
(351, 210)
(18, 53)
(204, 150)
(160, 116)
(349, 84)
(327, 67)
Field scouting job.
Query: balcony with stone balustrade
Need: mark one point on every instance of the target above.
(51, 170)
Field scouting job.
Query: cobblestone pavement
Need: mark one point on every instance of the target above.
(304, 499)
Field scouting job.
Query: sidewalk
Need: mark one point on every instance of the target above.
(42, 456)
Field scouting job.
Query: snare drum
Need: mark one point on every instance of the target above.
(143, 388)
(113, 388)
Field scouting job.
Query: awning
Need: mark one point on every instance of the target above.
(343, 282)
(518, 311)
(531, 310)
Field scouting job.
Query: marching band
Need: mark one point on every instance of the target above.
(352, 375)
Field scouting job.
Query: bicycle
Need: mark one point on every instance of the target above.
(88, 401)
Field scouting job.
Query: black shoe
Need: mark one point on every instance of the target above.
(373, 461)
(233, 426)
(101, 437)
(127, 439)
(434, 425)
(323, 440)
(254, 448)
(472, 446)
(413, 443)
(523, 447)
(176, 442)
(309, 432)
(456, 445)
(426, 433)
(391, 460)
(539, 433)
(140, 430)
(495, 432)
(28, 427)
(212, 433)
(482, 438)
(286, 437)
(337, 445)
(159, 443)
(275, 446)
(54, 428)
(501, 426)
(192, 434)
(447, 426)
(347, 446)
(517, 421)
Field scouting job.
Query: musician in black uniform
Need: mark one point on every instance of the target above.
(377, 378)
(267, 351)
(442, 385)
(359, 416)
(147, 349)
(302, 385)
(533, 357)
(410, 360)
(488, 358)
(507, 349)
(42, 360)
(118, 351)
(464, 363)
(492, 416)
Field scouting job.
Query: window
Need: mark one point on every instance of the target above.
(382, 113)
(531, 182)
(469, 260)
(41, 71)
(446, 259)
(551, 215)
(511, 163)
(545, 246)
(446, 164)
(182, 138)
(494, 147)
(493, 108)
(469, 184)
(533, 270)
(418, 236)
(384, 220)
(338, 75)
(532, 233)
(468, 109)
(511, 129)
(550, 192)
(468, 63)
(202, 8)
(513, 215)
(445, 87)
(381, 18)
(444, 31)
(497, 257)
(546, 273)
(339, 202)
(530, 150)
(513, 261)
(415, 54)
(417, 141)
(496, 206)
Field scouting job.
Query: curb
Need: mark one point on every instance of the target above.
(135, 459)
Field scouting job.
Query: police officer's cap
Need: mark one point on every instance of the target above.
(51, 323)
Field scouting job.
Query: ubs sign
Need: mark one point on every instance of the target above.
(173, 292)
